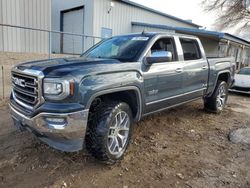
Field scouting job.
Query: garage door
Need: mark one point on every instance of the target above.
(73, 23)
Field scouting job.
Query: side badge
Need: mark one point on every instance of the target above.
(153, 92)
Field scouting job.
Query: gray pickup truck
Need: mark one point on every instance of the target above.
(92, 101)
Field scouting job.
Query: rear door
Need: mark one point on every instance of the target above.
(195, 75)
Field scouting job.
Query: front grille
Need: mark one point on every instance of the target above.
(25, 88)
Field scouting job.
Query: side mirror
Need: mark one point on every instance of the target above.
(159, 57)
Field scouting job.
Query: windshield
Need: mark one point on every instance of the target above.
(122, 48)
(245, 71)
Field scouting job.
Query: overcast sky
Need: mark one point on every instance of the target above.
(191, 9)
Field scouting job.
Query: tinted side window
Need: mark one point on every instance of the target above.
(191, 49)
(165, 44)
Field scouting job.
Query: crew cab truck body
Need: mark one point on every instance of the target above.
(93, 100)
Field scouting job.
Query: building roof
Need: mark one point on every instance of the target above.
(198, 32)
(158, 12)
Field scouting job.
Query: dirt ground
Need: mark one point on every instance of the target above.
(181, 147)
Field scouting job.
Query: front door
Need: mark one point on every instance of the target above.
(163, 81)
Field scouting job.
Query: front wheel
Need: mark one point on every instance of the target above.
(217, 102)
(109, 131)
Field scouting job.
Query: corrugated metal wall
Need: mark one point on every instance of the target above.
(1, 29)
(121, 15)
(27, 13)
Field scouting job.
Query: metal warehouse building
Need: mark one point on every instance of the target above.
(102, 18)
(105, 18)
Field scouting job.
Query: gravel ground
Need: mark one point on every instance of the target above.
(181, 147)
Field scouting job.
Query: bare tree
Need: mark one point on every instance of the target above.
(231, 13)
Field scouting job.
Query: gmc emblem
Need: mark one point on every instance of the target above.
(19, 82)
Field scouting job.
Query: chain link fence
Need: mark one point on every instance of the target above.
(20, 44)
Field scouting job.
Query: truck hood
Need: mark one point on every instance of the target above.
(72, 66)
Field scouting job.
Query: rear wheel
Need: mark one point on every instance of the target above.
(217, 102)
(109, 132)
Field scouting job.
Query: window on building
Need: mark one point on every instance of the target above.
(106, 33)
(191, 50)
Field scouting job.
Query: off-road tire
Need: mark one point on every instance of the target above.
(211, 103)
(100, 120)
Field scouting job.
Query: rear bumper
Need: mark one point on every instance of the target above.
(63, 131)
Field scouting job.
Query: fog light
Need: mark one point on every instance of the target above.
(56, 123)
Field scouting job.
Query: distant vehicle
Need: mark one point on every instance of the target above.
(94, 99)
(242, 81)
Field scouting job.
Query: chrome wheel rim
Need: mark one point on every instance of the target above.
(118, 133)
(221, 97)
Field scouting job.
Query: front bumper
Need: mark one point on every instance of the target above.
(63, 131)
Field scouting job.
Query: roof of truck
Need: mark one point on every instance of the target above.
(152, 34)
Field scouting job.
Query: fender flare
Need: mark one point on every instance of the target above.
(222, 72)
(217, 78)
(120, 89)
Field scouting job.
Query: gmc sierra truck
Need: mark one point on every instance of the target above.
(93, 100)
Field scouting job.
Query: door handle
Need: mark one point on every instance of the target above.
(204, 67)
(179, 70)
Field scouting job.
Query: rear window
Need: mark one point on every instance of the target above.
(191, 49)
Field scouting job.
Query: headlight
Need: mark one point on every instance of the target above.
(52, 88)
(57, 89)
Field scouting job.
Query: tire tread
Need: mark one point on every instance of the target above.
(95, 136)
